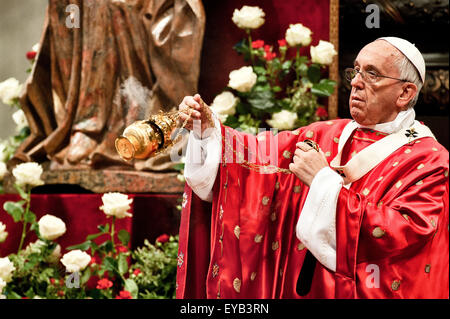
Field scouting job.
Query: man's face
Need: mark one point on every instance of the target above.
(374, 103)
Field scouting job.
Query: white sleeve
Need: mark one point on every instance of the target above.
(316, 226)
(202, 161)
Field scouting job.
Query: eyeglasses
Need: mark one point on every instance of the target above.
(367, 76)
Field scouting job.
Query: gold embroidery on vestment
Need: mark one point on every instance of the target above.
(237, 285)
(237, 231)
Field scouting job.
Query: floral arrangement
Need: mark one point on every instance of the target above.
(278, 89)
(99, 269)
(10, 91)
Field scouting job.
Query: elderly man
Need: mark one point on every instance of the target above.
(348, 209)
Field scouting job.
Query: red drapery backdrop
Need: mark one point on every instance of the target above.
(153, 215)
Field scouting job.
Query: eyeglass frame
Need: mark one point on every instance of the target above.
(373, 73)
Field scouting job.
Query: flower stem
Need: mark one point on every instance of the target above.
(24, 222)
(112, 233)
(297, 57)
(250, 45)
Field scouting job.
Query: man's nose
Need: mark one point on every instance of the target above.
(357, 81)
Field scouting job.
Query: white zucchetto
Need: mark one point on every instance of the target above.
(410, 51)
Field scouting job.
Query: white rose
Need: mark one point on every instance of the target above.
(28, 174)
(51, 227)
(283, 120)
(323, 53)
(76, 260)
(3, 232)
(243, 79)
(6, 269)
(224, 104)
(297, 34)
(116, 204)
(2, 285)
(248, 17)
(3, 170)
(9, 90)
(20, 120)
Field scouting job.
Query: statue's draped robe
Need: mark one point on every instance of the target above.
(73, 99)
(392, 224)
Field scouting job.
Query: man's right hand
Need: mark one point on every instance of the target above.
(199, 112)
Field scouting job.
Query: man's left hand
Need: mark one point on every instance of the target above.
(307, 162)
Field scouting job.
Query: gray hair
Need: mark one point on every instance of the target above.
(409, 72)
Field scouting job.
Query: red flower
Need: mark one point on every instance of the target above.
(257, 44)
(267, 48)
(122, 249)
(95, 260)
(282, 43)
(52, 281)
(137, 271)
(60, 293)
(163, 238)
(124, 295)
(31, 55)
(104, 283)
(269, 55)
(321, 112)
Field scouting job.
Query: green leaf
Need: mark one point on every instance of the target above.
(29, 217)
(122, 264)
(314, 73)
(103, 228)
(13, 295)
(110, 264)
(324, 88)
(93, 236)
(83, 246)
(261, 100)
(302, 69)
(106, 246)
(14, 209)
(132, 287)
(259, 70)
(276, 89)
(262, 79)
(86, 276)
(124, 237)
(276, 64)
(286, 65)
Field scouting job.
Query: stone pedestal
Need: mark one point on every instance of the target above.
(103, 181)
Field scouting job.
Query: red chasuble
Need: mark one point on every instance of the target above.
(392, 223)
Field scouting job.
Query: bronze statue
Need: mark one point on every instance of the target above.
(127, 60)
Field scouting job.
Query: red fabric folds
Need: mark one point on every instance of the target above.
(391, 225)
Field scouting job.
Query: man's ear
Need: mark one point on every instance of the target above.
(409, 91)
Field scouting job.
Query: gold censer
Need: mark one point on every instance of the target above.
(147, 138)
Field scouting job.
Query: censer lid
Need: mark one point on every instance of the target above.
(125, 148)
